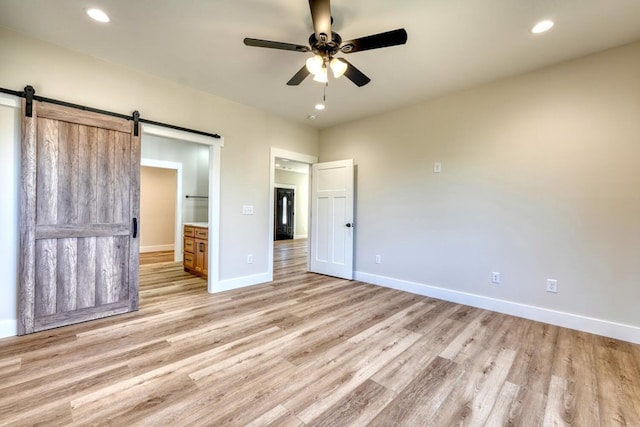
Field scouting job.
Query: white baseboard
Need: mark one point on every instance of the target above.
(558, 318)
(8, 328)
(241, 282)
(157, 248)
(300, 236)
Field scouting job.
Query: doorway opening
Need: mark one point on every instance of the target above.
(203, 161)
(289, 171)
(160, 210)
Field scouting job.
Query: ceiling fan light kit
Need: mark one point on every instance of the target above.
(315, 64)
(325, 44)
(321, 76)
(338, 67)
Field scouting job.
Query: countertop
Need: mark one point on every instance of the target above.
(197, 224)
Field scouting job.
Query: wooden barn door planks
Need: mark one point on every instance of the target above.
(80, 195)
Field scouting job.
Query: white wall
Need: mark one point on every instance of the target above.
(301, 182)
(9, 208)
(540, 179)
(249, 135)
(195, 171)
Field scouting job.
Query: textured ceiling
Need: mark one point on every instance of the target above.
(452, 44)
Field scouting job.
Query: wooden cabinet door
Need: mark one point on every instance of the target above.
(205, 258)
(79, 205)
(201, 256)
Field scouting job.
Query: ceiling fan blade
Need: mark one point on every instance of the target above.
(299, 76)
(276, 45)
(375, 41)
(355, 75)
(321, 17)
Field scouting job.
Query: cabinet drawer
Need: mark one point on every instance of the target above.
(188, 260)
(189, 245)
(202, 233)
(188, 231)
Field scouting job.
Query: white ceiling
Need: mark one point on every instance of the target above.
(452, 44)
(291, 166)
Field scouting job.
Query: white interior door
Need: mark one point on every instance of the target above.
(332, 200)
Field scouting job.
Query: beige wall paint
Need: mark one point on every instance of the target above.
(540, 175)
(540, 179)
(301, 181)
(249, 134)
(157, 208)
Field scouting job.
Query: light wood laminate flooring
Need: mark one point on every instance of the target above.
(308, 349)
(156, 257)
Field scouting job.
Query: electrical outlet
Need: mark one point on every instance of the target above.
(552, 286)
(378, 259)
(495, 277)
(250, 259)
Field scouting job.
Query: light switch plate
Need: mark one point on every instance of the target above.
(247, 210)
(437, 167)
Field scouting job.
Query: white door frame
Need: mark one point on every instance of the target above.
(215, 146)
(285, 154)
(177, 239)
(10, 137)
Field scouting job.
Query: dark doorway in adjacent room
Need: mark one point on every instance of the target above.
(284, 215)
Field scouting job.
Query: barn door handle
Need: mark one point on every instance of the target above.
(135, 227)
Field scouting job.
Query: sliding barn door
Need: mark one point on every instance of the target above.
(78, 220)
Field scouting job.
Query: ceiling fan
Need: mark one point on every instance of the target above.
(325, 44)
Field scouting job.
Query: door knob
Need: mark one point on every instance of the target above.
(349, 225)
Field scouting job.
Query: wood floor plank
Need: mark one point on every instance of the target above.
(575, 371)
(473, 398)
(501, 412)
(278, 415)
(341, 370)
(618, 385)
(532, 367)
(306, 350)
(156, 257)
(357, 408)
(418, 403)
(9, 366)
(397, 374)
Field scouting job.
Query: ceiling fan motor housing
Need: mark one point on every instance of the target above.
(325, 48)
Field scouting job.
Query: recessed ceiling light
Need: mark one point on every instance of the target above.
(542, 26)
(319, 106)
(98, 15)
